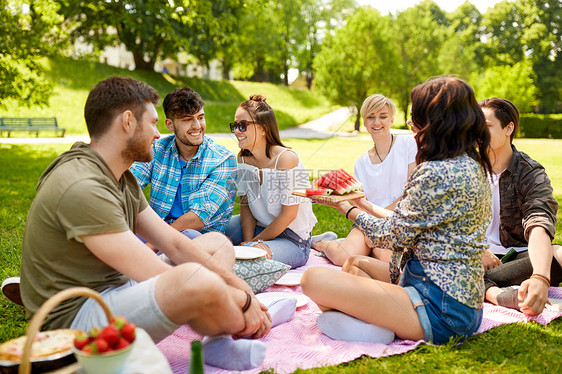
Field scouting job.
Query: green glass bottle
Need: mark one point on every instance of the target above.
(196, 361)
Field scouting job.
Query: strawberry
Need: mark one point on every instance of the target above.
(94, 332)
(81, 340)
(122, 343)
(118, 322)
(99, 345)
(88, 349)
(128, 332)
(110, 334)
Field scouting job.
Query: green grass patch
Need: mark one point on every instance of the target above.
(73, 80)
(515, 348)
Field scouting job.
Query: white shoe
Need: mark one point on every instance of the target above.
(11, 289)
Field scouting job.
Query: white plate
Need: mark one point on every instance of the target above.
(290, 279)
(269, 297)
(555, 305)
(248, 253)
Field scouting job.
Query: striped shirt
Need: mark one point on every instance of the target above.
(207, 184)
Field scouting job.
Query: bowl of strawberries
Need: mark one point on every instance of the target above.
(105, 350)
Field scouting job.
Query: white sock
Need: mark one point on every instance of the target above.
(226, 353)
(328, 235)
(282, 310)
(340, 326)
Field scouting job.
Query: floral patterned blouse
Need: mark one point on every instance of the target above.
(441, 220)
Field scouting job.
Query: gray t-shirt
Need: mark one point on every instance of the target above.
(76, 196)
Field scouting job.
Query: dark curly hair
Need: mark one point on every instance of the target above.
(449, 122)
(263, 115)
(111, 97)
(182, 102)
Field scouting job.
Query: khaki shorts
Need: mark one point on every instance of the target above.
(135, 301)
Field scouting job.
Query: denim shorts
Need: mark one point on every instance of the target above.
(441, 316)
(135, 301)
(287, 247)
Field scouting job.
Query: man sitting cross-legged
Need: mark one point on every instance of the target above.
(191, 177)
(81, 229)
(523, 219)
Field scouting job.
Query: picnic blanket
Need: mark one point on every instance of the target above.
(300, 344)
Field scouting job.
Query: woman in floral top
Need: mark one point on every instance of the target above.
(436, 234)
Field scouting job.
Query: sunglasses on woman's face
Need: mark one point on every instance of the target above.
(240, 126)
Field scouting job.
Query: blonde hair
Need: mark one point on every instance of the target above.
(375, 103)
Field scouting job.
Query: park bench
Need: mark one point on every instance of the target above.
(30, 124)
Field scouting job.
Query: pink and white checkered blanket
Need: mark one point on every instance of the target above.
(300, 344)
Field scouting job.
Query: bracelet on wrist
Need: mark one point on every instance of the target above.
(541, 277)
(350, 209)
(248, 302)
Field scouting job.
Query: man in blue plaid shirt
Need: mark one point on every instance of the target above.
(192, 178)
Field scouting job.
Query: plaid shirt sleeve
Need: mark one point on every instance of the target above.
(213, 201)
(142, 171)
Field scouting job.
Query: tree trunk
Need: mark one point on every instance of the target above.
(141, 64)
(226, 64)
(405, 109)
(286, 72)
(258, 72)
(357, 119)
(309, 79)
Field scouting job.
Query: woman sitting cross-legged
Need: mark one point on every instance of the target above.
(270, 217)
(437, 235)
(383, 170)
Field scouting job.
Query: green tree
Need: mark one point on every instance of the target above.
(418, 35)
(260, 43)
(504, 31)
(357, 61)
(149, 29)
(293, 29)
(515, 83)
(215, 35)
(529, 30)
(228, 42)
(319, 17)
(542, 36)
(28, 31)
(461, 52)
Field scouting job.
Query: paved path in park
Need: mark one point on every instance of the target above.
(324, 127)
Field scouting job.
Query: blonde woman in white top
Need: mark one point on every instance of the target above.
(270, 217)
(383, 170)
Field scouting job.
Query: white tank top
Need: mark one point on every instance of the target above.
(266, 200)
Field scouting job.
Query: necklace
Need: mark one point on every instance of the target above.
(389, 148)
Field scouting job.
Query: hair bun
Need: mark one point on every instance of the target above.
(257, 97)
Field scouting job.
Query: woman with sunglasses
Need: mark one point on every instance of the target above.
(270, 217)
(437, 234)
(383, 170)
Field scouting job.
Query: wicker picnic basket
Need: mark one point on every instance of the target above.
(37, 321)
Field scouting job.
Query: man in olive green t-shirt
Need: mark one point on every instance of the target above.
(81, 231)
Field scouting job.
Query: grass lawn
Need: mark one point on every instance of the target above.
(518, 348)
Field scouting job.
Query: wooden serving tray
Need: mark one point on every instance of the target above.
(333, 198)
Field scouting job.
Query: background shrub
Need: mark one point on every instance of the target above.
(541, 126)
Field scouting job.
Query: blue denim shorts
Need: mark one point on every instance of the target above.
(441, 316)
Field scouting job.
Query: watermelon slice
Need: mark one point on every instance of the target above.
(317, 191)
(338, 180)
